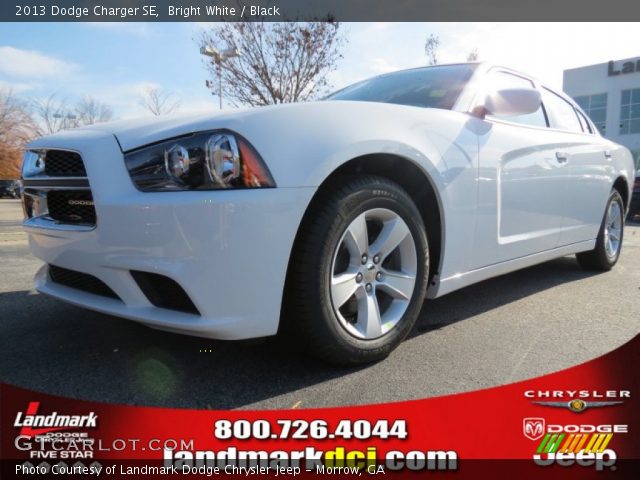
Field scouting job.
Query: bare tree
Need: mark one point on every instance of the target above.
(53, 114)
(431, 47)
(158, 102)
(473, 55)
(280, 62)
(16, 129)
(90, 111)
(16, 123)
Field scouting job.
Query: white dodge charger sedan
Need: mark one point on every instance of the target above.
(328, 221)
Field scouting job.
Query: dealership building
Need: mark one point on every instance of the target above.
(610, 94)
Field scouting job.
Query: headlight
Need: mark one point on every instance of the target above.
(201, 161)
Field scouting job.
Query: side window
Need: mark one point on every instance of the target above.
(561, 113)
(595, 106)
(499, 80)
(586, 127)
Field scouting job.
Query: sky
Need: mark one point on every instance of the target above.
(116, 62)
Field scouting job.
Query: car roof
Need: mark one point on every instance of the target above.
(482, 67)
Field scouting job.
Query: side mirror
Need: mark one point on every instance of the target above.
(510, 102)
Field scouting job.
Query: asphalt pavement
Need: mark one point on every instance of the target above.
(514, 327)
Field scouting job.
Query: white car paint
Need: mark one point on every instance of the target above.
(505, 200)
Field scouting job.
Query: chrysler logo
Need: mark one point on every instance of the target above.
(533, 428)
(577, 405)
(83, 203)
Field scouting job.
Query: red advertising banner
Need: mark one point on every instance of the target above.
(578, 423)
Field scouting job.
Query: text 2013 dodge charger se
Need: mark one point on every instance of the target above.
(329, 220)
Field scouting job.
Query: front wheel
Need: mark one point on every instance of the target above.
(609, 241)
(358, 272)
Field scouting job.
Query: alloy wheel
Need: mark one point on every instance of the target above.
(613, 229)
(373, 273)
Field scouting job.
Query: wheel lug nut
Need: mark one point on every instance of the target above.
(376, 259)
(364, 259)
(368, 287)
(359, 277)
(379, 276)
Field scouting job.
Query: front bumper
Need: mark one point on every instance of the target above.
(229, 250)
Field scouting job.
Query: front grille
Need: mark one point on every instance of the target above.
(164, 292)
(80, 281)
(60, 163)
(71, 206)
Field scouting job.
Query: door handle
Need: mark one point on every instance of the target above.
(562, 157)
(607, 154)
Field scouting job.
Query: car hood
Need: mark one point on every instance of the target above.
(301, 143)
(132, 134)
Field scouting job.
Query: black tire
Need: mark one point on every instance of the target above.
(310, 320)
(598, 258)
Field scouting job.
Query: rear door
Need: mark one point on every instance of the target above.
(591, 174)
(589, 167)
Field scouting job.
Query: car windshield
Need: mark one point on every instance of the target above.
(431, 87)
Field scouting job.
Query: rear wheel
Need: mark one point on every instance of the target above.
(358, 273)
(609, 242)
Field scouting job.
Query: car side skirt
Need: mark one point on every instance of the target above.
(458, 281)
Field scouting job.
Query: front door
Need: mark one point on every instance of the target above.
(522, 183)
(521, 195)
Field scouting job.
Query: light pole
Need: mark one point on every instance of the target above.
(218, 59)
(65, 117)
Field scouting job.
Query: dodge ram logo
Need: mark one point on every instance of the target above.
(533, 428)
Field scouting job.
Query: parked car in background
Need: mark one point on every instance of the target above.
(9, 188)
(634, 209)
(327, 221)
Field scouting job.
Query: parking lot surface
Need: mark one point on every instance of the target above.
(510, 328)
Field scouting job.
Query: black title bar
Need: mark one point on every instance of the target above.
(301, 10)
